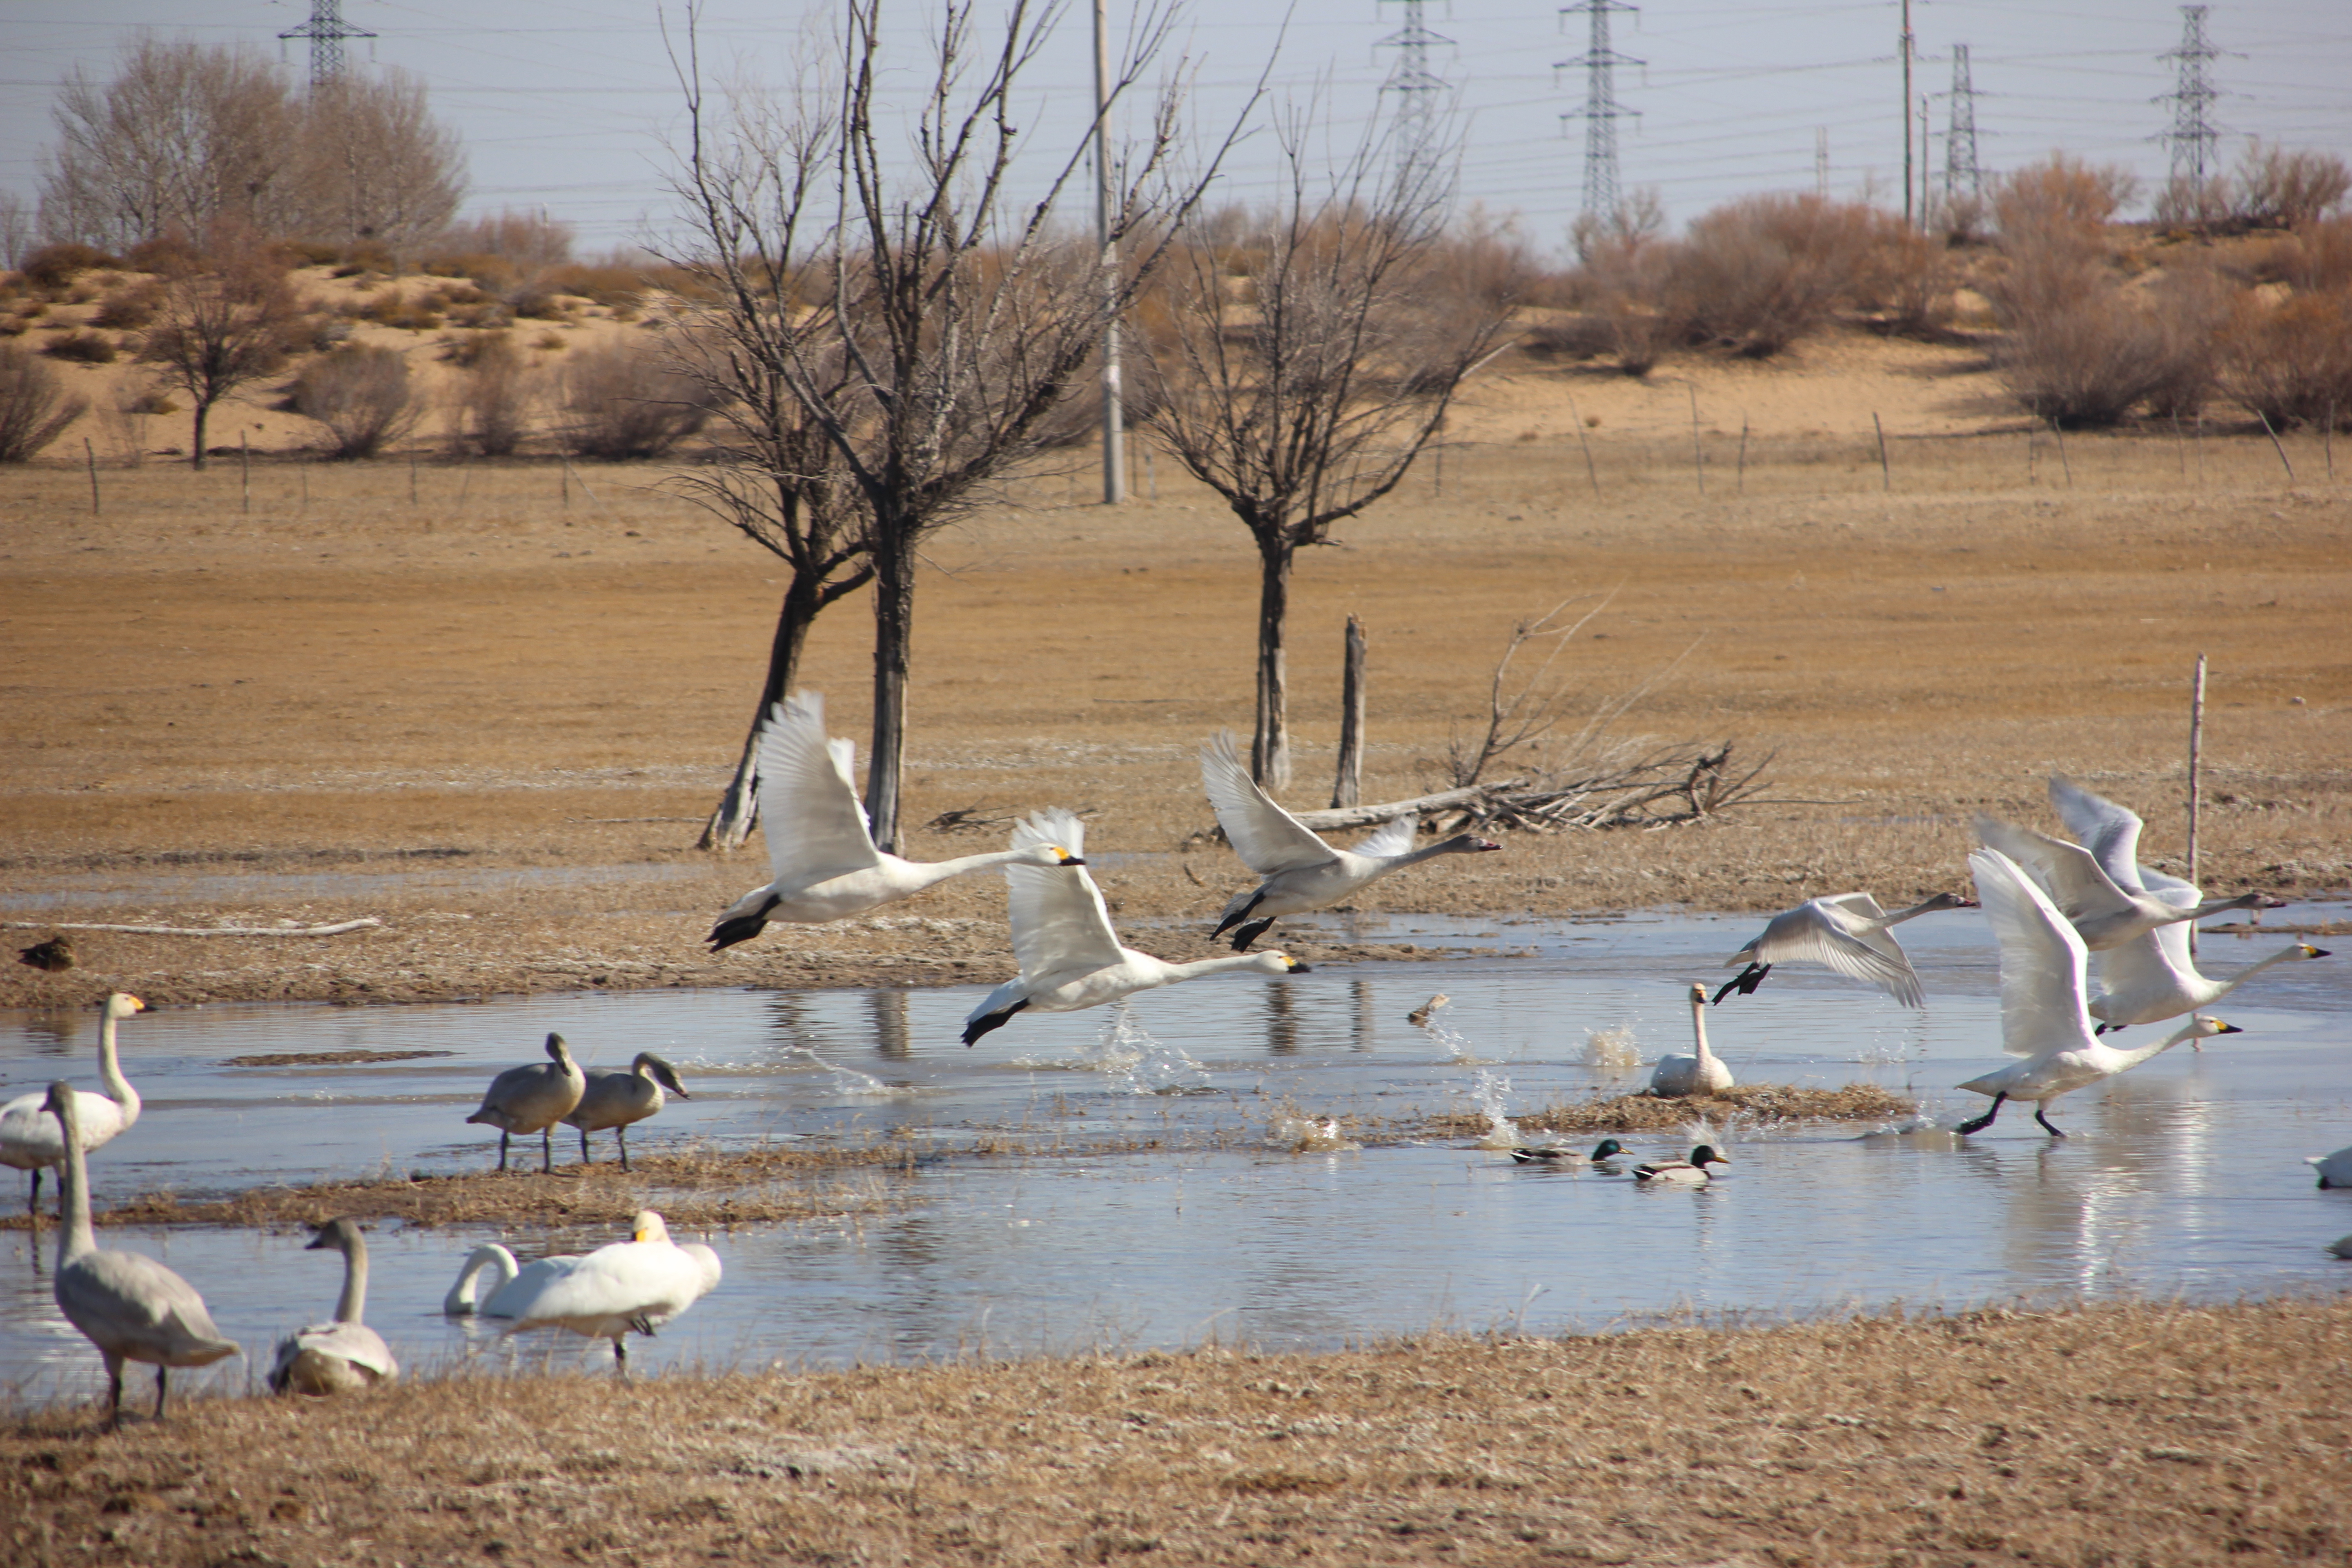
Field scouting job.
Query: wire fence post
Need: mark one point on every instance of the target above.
(1886, 474)
(2275, 445)
(245, 471)
(1591, 472)
(1742, 478)
(90, 456)
(2064, 460)
(1699, 457)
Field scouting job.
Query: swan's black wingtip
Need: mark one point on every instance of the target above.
(727, 933)
(986, 1022)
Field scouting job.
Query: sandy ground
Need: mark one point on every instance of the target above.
(494, 721)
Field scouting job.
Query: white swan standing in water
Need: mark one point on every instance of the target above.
(1704, 1073)
(2042, 1015)
(621, 1099)
(128, 1305)
(635, 1285)
(342, 1354)
(1301, 871)
(819, 844)
(1070, 957)
(29, 1140)
(1847, 932)
(534, 1098)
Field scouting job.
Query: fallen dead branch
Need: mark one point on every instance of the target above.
(365, 923)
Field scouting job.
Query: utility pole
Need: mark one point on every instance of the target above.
(1903, 47)
(1113, 408)
(326, 29)
(1961, 176)
(1601, 111)
(1418, 89)
(2195, 137)
(1926, 163)
(1822, 162)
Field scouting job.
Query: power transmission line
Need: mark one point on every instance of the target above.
(2195, 136)
(1602, 111)
(1961, 176)
(326, 29)
(1417, 87)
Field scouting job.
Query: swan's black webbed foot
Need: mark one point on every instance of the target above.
(988, 1021)
(1249, 931)
(2052, 1128)
(1979, 1123)
(1746, 981)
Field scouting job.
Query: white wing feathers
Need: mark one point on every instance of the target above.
(2110, 832)
(1810, 933)
(2071, 875)
(808, 806)
(1395, 837)
(1059, 923)
(2042, 961)
(1267, 838)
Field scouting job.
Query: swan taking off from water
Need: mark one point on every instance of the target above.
(1070, 957)
(1704, 1073)
(1690, 1173)
(2334, 1170)
(1847, 932)
(2154, 976)
(29, 1140)
(534, 1098)
(2096, 884)
(618, 1099)
(129, 1306)
(2042, 1017)
(819, 844)
(342, 1354)
(635, 1285)
(1301, 871)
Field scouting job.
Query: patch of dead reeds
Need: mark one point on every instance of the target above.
(1753, 1105)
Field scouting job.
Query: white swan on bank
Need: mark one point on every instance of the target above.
(1847, 932)
(2096, 884)
(632, 1286)
(819, 844)
(1070, 957)
(1703, 1073)
(2042, 1015)
(344, 1353)
(621, 1099)
(29, 1140)
(1301, 871)
(128, 1305)
(534, 1098)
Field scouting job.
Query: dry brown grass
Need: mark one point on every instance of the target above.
(2153, 1436)
(1746, 1105)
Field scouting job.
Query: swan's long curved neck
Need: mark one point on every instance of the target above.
(2248, 973)
(109, 1068)
(1698, 1030)
(1926, 906)
(1455, 844)
(354, 1301)
(1214, 966)
(75, 1237)
(2216, 905)
(464, 1294)
(2133, 1058)
(928, 872)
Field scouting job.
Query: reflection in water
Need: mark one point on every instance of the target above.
(1366, 1032)
(1281, 1024)
(889, 1010)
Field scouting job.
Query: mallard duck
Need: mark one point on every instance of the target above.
(55, 955)
(1608, 1149)
(1690, 1173)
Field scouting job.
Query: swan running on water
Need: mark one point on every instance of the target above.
(2042, 1015)
(1705, 1073)
(819, 845)
(621, 1099)
(534, 1098)
(1070, 957)
(632, 1286)
(1301, 871)
(29, 1140)
(344, 1353)
(1847, 932)
(128, 1305)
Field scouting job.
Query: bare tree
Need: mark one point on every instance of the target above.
(1299, 372)
(937, 328)
(34, 409)
(223, 321)
(375, 164)
(16, 229)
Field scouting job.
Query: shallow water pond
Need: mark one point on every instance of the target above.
(2182, 1177)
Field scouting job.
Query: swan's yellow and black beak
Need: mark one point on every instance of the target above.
(2311, 951)
(1072, 860)
(136, 1005)
(1295, 967)
(2230, 1028)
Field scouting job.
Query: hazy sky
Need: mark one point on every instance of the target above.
(567, 105)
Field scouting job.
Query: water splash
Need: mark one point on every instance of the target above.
(1307, 1135)
(1493, 1092)
(1455, 1045)
(848, 1082)
(1132, 1060)
(1611, 1051)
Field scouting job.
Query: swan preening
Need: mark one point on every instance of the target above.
(2097, 884)
(534, 1098)
(1847, 932)
(128, 1305)
(1701, 1073)
(29, 1138)
(1070, 957)
(632, 1286)
(620, 1100)
(2042, 1014)
(819, 844)
(343, 1354)
(1301, 871)
(1690, 1173)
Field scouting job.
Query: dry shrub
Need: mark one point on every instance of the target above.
(1759, 273)
(82, 348)
(1621, 283)
(2318, 259)
(2279, 189)
(363, 397)
(622, 400)
(1747, 1105)
(2190, 310)
(1908, 279)
(522, 237)
(34, 409)
(494, 398)
(2077, 351)
(2059, 193)
(609, 286)
(2201, 206)
(53, 267)
(127, 310)
(2292, 362)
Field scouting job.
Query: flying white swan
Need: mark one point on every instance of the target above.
(29, 1133)
(344, 1353)
(2153, 977)
(2334, 1170)
(2096, 884)
(128, 1305)
(1690, 1173)
(619, 1100)
(1704, 1073)
(635, 1285)
(2042, 1015)
(1301, 871)
(534, 1098)
(1070, 957)
(818, 840)
(1847, 932)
